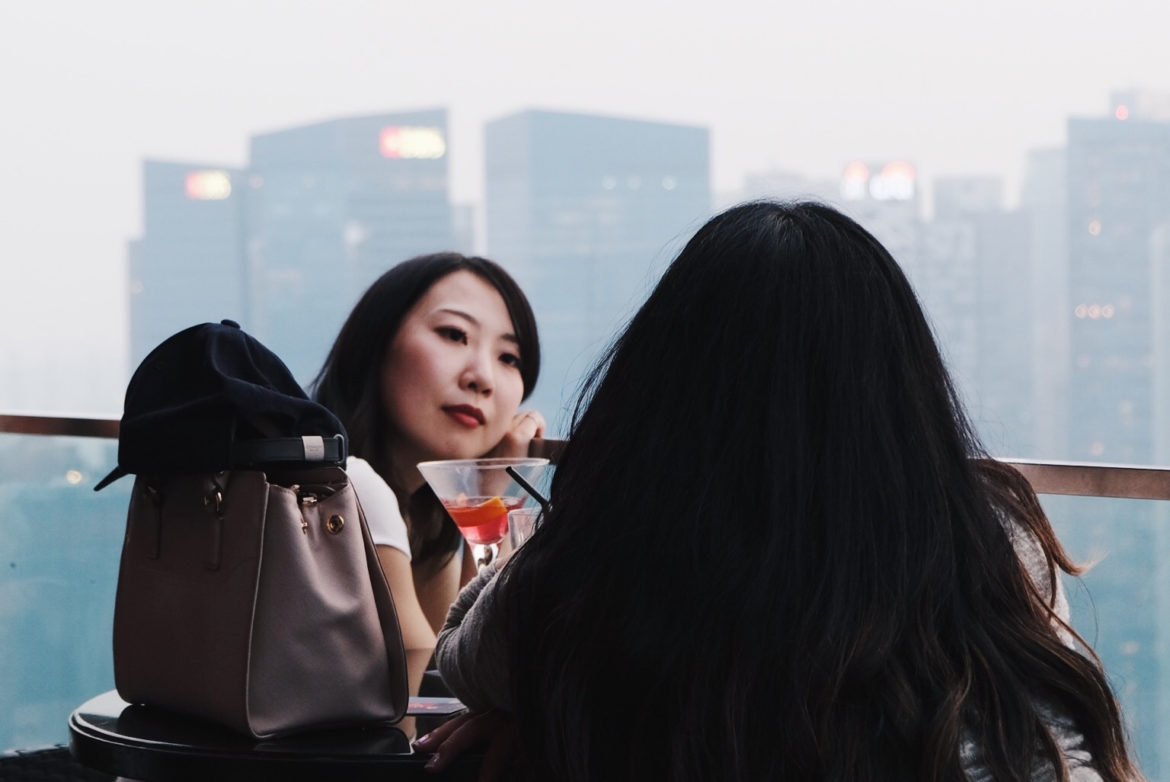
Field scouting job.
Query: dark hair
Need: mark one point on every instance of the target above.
(773, 519)
(349, 383)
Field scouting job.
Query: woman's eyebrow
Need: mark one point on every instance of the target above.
(458, 313)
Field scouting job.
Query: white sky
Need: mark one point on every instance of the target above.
(89, 89)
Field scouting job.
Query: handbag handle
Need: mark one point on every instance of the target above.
(311, 448)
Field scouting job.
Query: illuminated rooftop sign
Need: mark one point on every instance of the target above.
(418, 142)
(208, 185)
(894, 181)
(854, 181)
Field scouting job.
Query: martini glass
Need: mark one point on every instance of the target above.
(479, 493)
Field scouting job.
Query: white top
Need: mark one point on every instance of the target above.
(379, 504)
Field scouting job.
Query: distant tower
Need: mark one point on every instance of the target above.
(586, 211)
(1044, 200)
(187, 267)
(331, 206)
(1118, 218)
(973, 276)
(960, 196)
(883, 197)
(1118, 201)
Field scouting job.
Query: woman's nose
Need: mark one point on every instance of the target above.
(477, 376)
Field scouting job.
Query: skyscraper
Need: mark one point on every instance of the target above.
(1118, 199)
(973, 276)
(1118, 210)
(883, 197)
(286, 245)
(1044, 201)
(331, 206)
(586, 211)
(187, 267)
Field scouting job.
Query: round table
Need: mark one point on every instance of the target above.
(154, 745)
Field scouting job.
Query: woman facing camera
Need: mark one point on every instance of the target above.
(777, 550)
(432, 363)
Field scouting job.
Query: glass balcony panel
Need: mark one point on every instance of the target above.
(1121, 606)
(59, 548)
(60, 544)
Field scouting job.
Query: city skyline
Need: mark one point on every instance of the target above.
(776, 182)
(343, 199)
(956, 89)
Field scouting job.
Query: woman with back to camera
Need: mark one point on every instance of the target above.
(432, 363)
(776, 550)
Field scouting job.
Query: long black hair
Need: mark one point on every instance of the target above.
(349, 383)
(774, 551)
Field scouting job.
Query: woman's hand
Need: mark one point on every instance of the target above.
(495, 729)
(526, 426)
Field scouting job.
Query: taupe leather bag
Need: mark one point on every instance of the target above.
(255, 599)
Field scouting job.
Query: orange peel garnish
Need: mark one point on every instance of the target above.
(487, 512)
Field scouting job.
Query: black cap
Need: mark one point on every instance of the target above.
(207, 395)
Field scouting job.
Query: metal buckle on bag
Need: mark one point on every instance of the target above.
(216, 498)
(304, 498)
(213, 501)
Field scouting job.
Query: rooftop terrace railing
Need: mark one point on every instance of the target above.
(1086, 479)
(65, 426)
(60, 546)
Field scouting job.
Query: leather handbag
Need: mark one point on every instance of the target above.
(254, 599)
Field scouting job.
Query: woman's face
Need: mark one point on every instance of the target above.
(451, 379)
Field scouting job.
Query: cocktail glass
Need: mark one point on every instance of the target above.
(479, 493)
(520, 524)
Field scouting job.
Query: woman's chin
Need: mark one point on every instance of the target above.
(462, 451)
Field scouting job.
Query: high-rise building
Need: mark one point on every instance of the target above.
(288, 244)
(586, 211)
(967, 195)
(187, 267)
(331, 206)
(1118, 212)
(1118, 199)
(1003, 406)
(973, 277)
(1044, 200)
(884, 197)
(947, 286)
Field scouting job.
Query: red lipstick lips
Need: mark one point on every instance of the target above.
(465, 414)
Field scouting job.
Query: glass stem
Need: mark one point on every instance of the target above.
(485, 554)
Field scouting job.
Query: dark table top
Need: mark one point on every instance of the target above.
(150, 744)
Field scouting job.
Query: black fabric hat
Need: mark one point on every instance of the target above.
(213, 398)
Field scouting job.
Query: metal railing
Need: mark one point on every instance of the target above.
(1123, 481)
(1135, 482)
(64, 426)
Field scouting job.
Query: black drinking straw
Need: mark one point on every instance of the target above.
(526, 486)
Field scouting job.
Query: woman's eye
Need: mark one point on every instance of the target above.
(452, 333)
(510, 359)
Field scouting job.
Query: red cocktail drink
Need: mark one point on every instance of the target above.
(482, 520)
(478, 494)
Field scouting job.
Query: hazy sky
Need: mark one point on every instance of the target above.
(91, 88)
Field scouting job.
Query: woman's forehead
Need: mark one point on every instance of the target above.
(466, 294)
